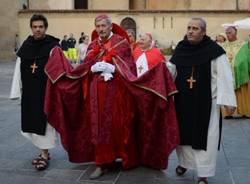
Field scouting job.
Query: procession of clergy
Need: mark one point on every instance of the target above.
(127, 103)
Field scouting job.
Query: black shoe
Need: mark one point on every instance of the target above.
(228, 117)
(180, 170)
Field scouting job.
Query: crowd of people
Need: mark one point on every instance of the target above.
(125, 100)
(75, 54)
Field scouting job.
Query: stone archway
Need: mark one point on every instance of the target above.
(128, 23)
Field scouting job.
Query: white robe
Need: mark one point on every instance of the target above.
(222, 94)
(42, 142)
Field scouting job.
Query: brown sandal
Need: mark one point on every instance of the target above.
(180, 170)
(35, 161)
(202, 181)
(41, 164)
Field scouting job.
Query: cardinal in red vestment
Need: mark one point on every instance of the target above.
(146, 56)
(112, 113)
(102, 111)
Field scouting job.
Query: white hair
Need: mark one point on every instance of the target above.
(108, 20)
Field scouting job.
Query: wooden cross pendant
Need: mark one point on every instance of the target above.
(191, 80)
(34, 67)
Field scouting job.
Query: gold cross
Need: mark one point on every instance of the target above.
(140, 68)
(34, 67)
(191, 81)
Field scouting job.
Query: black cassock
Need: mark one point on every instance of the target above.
(34, 55)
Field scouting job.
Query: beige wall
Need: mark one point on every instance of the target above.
(51, 4)
(198, 4)
(8, 28)
(168, 4)
(158, 24)
(150, 4)
(138, 4)
(213, 5)
(244, 4)
(108, 4)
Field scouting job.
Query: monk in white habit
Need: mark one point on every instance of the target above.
(29, 84)
(205, 82)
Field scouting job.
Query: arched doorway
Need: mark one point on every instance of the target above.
(128, 23)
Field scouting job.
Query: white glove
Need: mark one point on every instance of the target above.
(103, 67)
(107, 73)
(109, 68)
(107, 76)
(106, 68)
(98, 67)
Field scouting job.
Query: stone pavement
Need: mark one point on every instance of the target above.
(16, 153)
